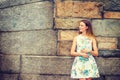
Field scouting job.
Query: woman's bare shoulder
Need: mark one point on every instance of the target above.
(93, 38)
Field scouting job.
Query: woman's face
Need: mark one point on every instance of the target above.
(82, 27)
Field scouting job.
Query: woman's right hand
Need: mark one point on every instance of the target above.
(84, 55)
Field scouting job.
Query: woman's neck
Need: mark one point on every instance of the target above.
(84, 34)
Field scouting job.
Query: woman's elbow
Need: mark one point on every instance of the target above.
(96, 54)
(71, 53)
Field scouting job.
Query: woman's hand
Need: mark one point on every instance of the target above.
(85, 51)
(84, 55)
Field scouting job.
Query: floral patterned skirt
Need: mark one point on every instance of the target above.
(84, 68)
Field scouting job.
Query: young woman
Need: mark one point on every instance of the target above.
(84, 47)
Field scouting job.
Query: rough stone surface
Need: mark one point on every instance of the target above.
(46, 64)
(42, 42)
(115, 15)
(109, 53)
(9, 3)
(91, 10)
(49, 77)
(107, 42)
(112, 5)
(64, 48)
(10, 63)
(27, 17)
(107, 46)
(8, 76)
(67, 35)
(44, 77)
(106, 27)
(107, 39)
(67, 23)
(108, 66)
(112, 77)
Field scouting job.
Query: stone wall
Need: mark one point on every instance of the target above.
(36, 37)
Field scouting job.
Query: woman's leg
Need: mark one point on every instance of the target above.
(88, 79)
(82, 79)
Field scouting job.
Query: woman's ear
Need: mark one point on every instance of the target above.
(86, 27)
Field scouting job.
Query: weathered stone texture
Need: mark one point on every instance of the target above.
(90, 10)
(107, 39)
(107, 46)
(106, 27)
(107, 43)
(115, 15)
(112, 5)
(8, 76)
(67, 35)
(108, 66)
(42, 42)
(112, 77)
(109, 53)
(49, 77)
(67, 23)
(64, 48)
(27, 17)
(9, 3)
(44, 77)
(10, 63)
(46, 64)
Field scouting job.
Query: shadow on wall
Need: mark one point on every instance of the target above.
(8, 66)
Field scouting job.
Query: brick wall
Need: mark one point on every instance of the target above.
(36, 37)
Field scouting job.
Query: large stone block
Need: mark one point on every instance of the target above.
(110, 46)
(10, 63)
(27, 17)
(112, 77)
(115, 15)
(109, 53)
(44, 77)
(107, 39)
(9, 3)
(106, 27)
(46, 64)
(67, 23)
(91, 10)
(49, 77)
(9, 76)
(108, 66)
(64, 48)
(4, 3)
(62, 65)
(112, 5)
(67, 35)
(86, 9)
(42, 42)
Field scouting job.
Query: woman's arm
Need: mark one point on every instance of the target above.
(73, 48)
(94, 52)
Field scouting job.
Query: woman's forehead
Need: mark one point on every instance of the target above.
(82, 23)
